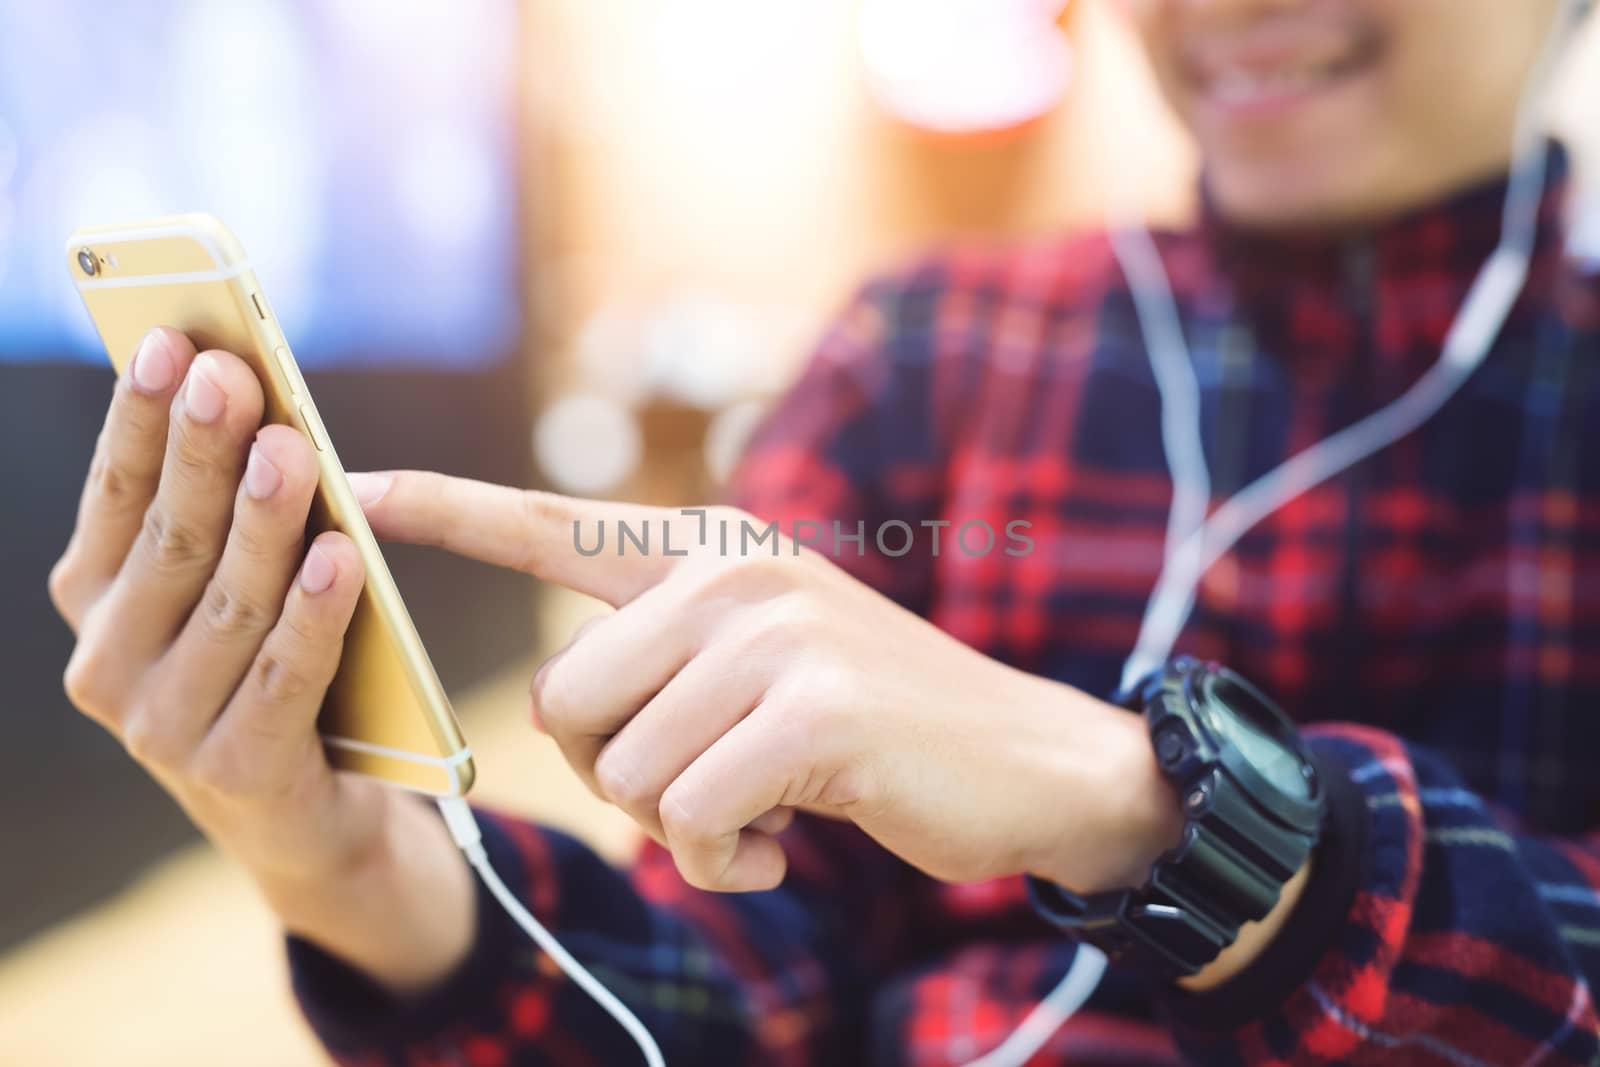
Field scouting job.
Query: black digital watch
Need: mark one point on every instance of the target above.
(1253, 805)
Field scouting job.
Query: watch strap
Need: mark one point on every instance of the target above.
(1319, 917)
(1229, 867)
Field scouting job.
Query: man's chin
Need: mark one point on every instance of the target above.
(1291, 197)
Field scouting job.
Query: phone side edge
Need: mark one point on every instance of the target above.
(334, 488)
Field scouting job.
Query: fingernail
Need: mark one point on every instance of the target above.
(261, 478)
(369, 488)
(318, 571)
(152, 365)
(202, 400)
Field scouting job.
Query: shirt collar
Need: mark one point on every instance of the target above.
(1437, 248)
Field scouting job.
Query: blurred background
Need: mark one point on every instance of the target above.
(574, 243)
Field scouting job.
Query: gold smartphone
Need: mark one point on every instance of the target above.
(386, 715)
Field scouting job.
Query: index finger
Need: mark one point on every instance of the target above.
(613, 551)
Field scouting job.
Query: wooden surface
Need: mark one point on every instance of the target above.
(186, 966)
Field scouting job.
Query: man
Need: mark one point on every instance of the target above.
(939, 718)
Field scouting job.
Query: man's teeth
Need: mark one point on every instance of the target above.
(1237, 83)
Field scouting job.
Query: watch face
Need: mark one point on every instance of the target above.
(1271, 759)
(1244, 717)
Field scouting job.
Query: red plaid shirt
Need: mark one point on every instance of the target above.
(1433, 615)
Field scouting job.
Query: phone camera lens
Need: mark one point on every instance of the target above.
(88, 263)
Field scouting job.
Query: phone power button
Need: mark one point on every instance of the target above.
(308, 419)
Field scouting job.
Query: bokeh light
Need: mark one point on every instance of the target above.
(587, 443)
(965, 66)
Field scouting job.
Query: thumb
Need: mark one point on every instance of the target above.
(550, 536)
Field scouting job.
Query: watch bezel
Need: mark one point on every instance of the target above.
(1207, 706)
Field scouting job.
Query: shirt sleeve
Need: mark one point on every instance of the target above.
(1461, 939)
(774, 978)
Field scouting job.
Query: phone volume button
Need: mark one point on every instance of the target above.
(286, 367)
(308, 419)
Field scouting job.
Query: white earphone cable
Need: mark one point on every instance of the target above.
(1467, 345)
(1176, 382)
(468, 837)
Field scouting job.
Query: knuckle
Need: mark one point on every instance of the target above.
(280, 679)
(825, 685)
(742, 579)
(540, 511)
(82, 679)
(541, 508)
(762, 574)
(306, 634)
(150, 739)
(116, 488)
(229, 614)
(173, 544)
(60, 583)
(813, 714)
(250, 541)
(681, 820)
(790, 616)
(187, 453)
(769, 633)
(621, 783)
(552, 693)
(797, 731)
(820, 718)
(851, 790)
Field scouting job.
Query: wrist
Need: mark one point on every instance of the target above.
(1134, 815)
(403, 911)
(1144, 816)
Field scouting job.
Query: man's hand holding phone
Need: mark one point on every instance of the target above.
(208, 632)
